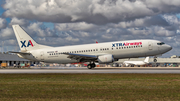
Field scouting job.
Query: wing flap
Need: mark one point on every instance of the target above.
(81, 56)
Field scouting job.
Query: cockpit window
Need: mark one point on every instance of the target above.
(161, 43)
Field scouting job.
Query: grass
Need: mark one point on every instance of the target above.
(90, 87)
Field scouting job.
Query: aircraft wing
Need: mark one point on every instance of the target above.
(81, 57)
(23, 53)
(127, 63)
(135, 63)
(131, 63)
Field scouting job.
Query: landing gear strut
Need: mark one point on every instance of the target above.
(155, 60)
(90, 66)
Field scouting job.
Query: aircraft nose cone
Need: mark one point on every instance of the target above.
(169, 47)
(165, 48)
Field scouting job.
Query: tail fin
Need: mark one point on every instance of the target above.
(146, 60)
(26, 43)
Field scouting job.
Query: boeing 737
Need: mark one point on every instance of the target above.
(146, 61)
(100, 52)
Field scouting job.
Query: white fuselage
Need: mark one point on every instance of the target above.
(119, 50)
(127, 63)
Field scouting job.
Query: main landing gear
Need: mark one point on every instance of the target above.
(90, 66)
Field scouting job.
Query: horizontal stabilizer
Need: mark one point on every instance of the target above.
(81, 56)
(23, 53)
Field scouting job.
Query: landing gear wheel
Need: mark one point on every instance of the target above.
(89, 66)
(155, 60)
(93, 65)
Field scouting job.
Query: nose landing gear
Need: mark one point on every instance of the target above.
(155, 60)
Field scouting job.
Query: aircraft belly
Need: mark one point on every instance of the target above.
(60, 59)
(129, 53)
(152, 52)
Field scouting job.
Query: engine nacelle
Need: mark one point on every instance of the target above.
(106, 58)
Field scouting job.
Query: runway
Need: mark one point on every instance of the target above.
(74, 70)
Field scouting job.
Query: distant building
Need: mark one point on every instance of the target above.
(12, 59)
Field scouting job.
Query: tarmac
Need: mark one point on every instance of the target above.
(100, 70)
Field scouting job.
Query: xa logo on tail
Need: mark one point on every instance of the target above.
(24, 45)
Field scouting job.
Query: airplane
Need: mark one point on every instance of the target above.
(107, 52)
(146, 61)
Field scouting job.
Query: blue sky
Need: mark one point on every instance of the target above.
(178, 15)
(1, 11)
(73, 22)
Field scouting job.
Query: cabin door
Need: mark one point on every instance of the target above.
(42, 55)
(150, 45)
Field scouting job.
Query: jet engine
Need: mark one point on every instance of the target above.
(106, 58)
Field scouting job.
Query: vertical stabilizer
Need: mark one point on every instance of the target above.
(26, 43)
(146, 60)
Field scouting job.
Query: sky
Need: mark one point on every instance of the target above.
(74, 22)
